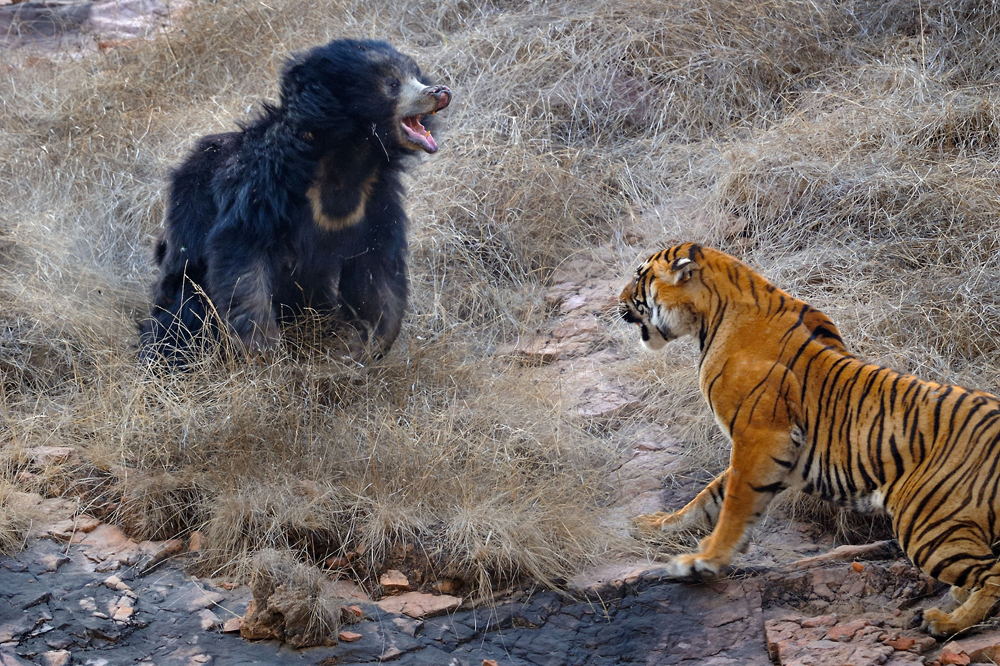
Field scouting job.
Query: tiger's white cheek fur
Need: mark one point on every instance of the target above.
(664, 325)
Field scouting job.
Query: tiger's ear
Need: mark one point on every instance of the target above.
(679, 271)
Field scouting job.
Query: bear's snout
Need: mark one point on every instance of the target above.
(441, 93)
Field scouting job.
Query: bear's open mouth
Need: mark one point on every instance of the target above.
(419, 134)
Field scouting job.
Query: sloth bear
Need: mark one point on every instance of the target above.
(301, 210)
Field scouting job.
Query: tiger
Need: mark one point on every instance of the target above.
(803, 413)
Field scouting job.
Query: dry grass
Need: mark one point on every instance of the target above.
(845, 152)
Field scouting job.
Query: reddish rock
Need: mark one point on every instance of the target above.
(42, 456)
(419, 605)
(394, 581)
(154, 552)
(845, 631)
(953, 655)
(901, 643)
(73, 529)
(982, 648)
(123, 613)
(196, 542)
(232, 625)
(447, 586)
(108, 542)
(349, 636)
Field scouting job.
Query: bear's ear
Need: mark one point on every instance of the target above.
(292, 77)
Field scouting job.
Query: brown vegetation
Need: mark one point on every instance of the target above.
(847, 149)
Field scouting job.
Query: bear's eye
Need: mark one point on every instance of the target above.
(394, 85)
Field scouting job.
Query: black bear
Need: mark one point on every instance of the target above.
(299, 210)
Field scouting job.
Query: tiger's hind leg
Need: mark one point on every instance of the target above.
(700, 513)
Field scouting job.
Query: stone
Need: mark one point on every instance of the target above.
(9, 658)
(14, 629)
(490, 662)
(51, 562)
(394, 581)
(55, 658)
(845, 630)
(42, 456)
(345, 589)
(901, 643)
(420, 605)
(232, 625)
(154, 552)
(123, 613)
(192, 598)
(820, 621)
(109, 542)
(390, 653)
(197, 542)
(73, 529)
(108, 565)
(952, 655)
(407, 626)
(209, 621)
(349, 636)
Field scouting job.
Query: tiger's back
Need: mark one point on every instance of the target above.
(803, 413)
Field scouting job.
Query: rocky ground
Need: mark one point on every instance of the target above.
(82, 592)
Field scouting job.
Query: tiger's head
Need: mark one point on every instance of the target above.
(664, 298)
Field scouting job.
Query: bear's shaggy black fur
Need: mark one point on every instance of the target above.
(300, 209)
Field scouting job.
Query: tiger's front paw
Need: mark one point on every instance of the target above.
(657, 522)
(939, 624)
(694, 567)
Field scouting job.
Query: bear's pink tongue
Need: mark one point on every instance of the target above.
(419, 134)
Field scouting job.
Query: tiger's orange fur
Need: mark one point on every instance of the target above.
(803, 413)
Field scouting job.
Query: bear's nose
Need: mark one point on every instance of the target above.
(441, 93)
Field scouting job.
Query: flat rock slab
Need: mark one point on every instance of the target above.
(418, 605)
(163, 619)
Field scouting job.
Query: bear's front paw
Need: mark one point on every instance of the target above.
(693, 567)
(657, 522)
(256, 338)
